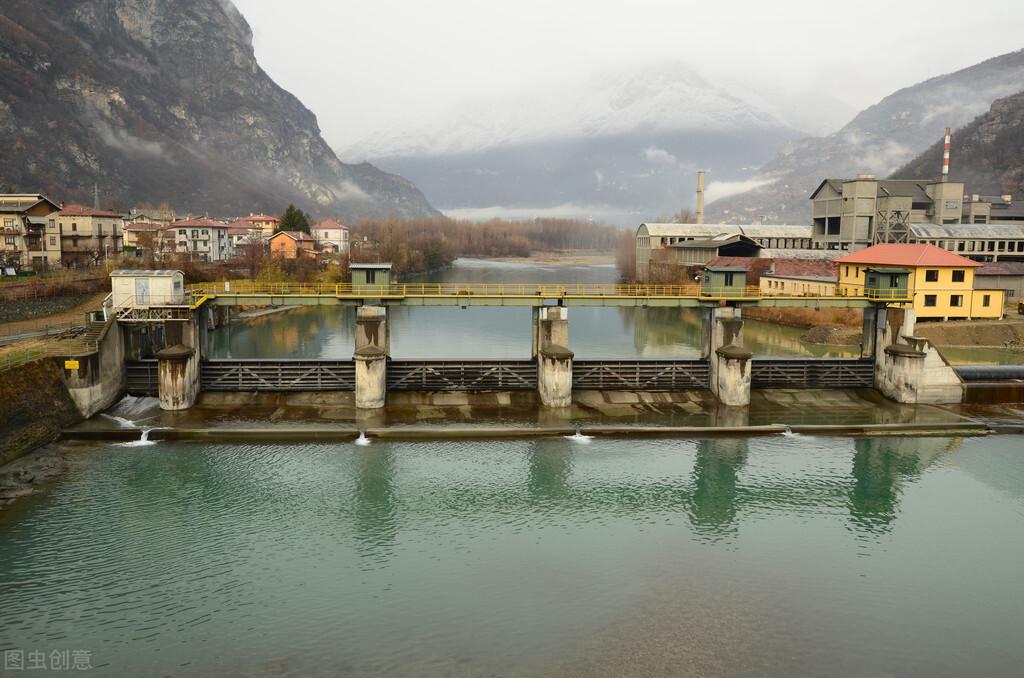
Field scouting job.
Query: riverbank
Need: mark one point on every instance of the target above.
(564, 258)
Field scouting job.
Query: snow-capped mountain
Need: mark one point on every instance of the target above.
(669, 97)
(627, 141)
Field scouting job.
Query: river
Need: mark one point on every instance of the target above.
(595, 333)
(785, 555)
(782, 556)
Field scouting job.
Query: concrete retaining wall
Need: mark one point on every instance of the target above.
(99, 381)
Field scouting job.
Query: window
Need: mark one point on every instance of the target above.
(847, 274)
(9, 240)
(182, 232)
(53, 242)
(986, 300)
(51, 225)
(931, 275)
(74, 226)
(929, 300)
(956, 300)
(8, 223)
(371, 277)
(958, 276)
(894, 281)
(728, 279)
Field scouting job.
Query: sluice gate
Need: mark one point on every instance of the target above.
(232, 375)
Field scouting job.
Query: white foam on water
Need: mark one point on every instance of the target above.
(362, 439)
(142, 441)
(579, 438)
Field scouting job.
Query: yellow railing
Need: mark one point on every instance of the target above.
(546, 290)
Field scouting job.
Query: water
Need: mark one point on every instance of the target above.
(768, 556)
(326, 332)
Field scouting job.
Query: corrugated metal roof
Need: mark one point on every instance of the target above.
(968, 231)
(135, 273)
(713, 230)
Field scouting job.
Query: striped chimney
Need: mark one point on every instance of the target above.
(945, 154)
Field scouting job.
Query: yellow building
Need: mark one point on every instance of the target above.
(798, 285)
(940, 283)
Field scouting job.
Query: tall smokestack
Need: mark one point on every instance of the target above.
(945, 155)
(700, 196)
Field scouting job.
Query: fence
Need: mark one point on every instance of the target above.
(461, 375)
(812, 373)
(278, 375)
(640, 375)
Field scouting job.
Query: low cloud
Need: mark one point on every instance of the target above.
(660, 155)
(569, 210)
(717, 190)
(349, 190)
(122, 140)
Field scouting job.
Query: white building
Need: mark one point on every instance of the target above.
(331, 237)
(203, 239)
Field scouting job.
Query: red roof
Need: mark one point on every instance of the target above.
(906, 255)
(259, 217)
(143, 226)
(83, 211)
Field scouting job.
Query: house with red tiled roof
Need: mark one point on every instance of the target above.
(940, 283)
(800, 277)
(292, 244)
(331, 236)
(88, 235)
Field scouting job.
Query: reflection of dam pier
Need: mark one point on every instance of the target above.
(903, 367)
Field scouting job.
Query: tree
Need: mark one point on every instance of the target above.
(293, 219)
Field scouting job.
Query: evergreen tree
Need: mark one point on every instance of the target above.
(294, 219)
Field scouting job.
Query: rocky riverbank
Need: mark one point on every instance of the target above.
(30, 474)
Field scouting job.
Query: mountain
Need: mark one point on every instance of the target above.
(622, 144)
(164, 101)
(988, 153)
(878, 140)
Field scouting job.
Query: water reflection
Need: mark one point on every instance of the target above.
(479, 332)
(712, 505)
(376, 516)
(881, 468)
(549, 471)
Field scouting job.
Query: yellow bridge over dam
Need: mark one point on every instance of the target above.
(520, 294)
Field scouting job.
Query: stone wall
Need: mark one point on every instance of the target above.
(34, 407)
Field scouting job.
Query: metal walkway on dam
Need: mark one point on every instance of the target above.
(484, 294)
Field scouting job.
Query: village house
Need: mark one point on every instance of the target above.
(266, 223)
(800, 277)
(29, 234)
(941, 284)
(203, 239)
(242, 234)
(155, 238)
(331, 237)
(87, 234)
(292, 245)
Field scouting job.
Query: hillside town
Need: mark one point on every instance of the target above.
(40, 234)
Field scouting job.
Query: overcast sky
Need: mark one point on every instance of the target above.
(374, 64)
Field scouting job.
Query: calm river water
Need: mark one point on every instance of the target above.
(783, 556)
(445, 333)
(326, 332)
